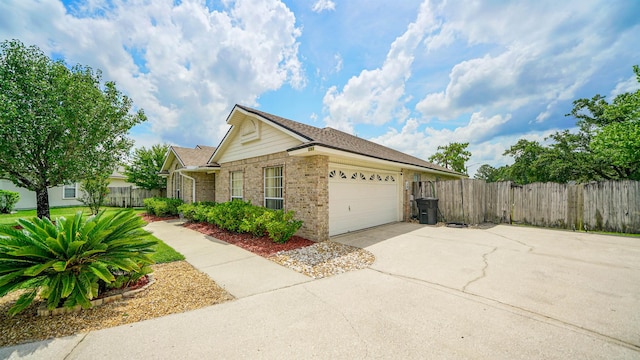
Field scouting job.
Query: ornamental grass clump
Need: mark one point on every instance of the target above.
(66, 262)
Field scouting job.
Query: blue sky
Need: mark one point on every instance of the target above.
(408, 74)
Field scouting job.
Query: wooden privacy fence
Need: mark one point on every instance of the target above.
(603, 206)
(129, 196)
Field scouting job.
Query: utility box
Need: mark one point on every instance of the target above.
(427, 210)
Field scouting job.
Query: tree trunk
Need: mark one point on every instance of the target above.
(42, 203)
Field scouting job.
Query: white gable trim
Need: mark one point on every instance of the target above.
(236, 118)
(166, 159)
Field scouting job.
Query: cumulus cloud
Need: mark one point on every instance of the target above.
(377, 96)
(184, 63)
(323, 5)
(526, 61)
(479, 132)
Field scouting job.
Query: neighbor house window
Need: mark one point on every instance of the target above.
(273, 188)
(70, 191)
(236, 185)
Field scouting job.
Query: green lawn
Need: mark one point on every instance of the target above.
(8, 219)
(164, 253)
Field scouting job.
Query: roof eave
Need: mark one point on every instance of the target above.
(312, 149)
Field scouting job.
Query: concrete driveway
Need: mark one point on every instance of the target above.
(433, 292)
(587, 283)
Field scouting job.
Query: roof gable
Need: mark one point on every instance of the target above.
(188, 157)
(252, 134)
(340, 140)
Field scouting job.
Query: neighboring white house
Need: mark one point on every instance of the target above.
(59, 196)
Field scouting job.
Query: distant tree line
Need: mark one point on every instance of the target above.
(605, 147)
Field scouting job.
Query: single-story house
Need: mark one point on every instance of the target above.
(59, 196)
(189, 177)
(333, 181)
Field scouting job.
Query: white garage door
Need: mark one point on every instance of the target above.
(360, 199)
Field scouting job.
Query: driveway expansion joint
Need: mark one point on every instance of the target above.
(76, 346)
(342, 314)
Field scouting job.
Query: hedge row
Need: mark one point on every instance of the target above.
(160, 206)
(242, 217)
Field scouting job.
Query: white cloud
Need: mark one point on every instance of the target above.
(378, 96)
(526, 62)
(184, 64)
(629, 85)
(485, 148)
(338, 59)
(323, 5)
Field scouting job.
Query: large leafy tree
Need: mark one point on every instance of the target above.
(605, 147)
(145, 166)
(489, 174)
(58, 124)
(453, 156)
(608, 135)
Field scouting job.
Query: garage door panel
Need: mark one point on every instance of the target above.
(361, 199)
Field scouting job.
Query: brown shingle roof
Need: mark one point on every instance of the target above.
(340, 140)
(193, 157)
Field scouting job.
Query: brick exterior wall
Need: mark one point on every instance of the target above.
(205, 184)
(305, 188)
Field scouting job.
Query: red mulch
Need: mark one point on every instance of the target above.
(152, 218)
(262, 246)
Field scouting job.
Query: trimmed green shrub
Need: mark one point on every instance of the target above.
(65, 262)
(160, 206)
(281, 226)
(253, 221)
(8, 199)
(196, 211)
(242, 217)
(228, 215)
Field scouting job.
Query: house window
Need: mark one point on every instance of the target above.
(416, 177)
(70, 191)
(273, 188)
(236, 185)
(177, 182)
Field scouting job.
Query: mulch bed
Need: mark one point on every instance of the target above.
(262, 246)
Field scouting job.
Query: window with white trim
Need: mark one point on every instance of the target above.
(236, 185)
(70, 191)
(273, 188)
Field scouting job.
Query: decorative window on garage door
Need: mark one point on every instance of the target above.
(360, 176)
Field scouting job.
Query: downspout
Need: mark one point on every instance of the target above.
(193, 182)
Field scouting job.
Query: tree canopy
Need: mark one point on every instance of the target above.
(58, 124)
(605, 147)
(453, 156)
(145, 166)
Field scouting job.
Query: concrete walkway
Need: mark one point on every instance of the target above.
(240, 272)
(432, 293)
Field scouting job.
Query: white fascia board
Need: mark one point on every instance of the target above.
(322, 150)
(166, 158)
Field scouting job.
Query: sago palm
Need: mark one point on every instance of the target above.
(64, 261)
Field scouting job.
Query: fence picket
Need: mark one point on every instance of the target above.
(603, 206)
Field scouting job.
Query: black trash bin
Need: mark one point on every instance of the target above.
(427, 210)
